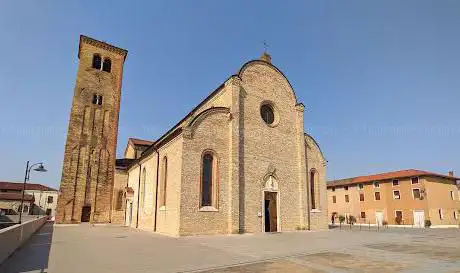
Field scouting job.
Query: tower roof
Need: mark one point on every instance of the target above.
(101, 44)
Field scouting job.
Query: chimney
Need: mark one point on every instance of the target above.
(451, 173)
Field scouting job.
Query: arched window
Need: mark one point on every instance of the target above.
(208, 180)
(97, 61)
(142, 190)
(107, 66)
(164, 182)
(312, 189)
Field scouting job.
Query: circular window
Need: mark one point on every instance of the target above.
(266, 111)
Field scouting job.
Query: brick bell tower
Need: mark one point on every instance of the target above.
(90, 150)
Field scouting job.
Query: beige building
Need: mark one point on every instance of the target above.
(407, 197)
(240, 161)
(38, 199)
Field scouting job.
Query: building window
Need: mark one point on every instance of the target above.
(50, 199)
(107, 66)
(441, 214)
(26, 209)
(164, 182)
(377, 196)
(97, 61)
(347, 199)
(376, 185)
(452, 195)
(209, 180)
(334, 199)
(360, 186)
(142, 190)
(267, 114)
(312, 189)
(396, 195)
(398, 217)
(97, 99)
(414, 180)
(455, 214)
(361, 197)
(416, 193)
(119, 204)
(345, 188)
(363, 215)
(333, 188)
(395, 182)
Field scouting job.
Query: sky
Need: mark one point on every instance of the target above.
(380, 79)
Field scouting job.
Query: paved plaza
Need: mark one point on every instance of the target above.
(86, 248)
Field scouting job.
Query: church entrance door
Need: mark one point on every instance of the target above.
(85, 213)
(270, 212)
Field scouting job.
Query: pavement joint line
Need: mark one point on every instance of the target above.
(275, 258)
(316, 266)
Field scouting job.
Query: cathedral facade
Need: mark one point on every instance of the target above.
(239, 162)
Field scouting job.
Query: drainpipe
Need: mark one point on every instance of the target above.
(126, 199)
(308, 189)
(156, 194)
(138, 196)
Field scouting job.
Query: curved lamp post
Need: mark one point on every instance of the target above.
(39, 168)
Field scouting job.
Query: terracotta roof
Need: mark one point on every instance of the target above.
(19, 185)
(386, 176)
(15, 196)
(141, 142)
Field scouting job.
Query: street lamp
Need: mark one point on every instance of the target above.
(39, 168)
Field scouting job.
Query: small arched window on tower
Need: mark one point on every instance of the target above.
(97, 61)
(107, 66)
(97, 99)
(209, 180)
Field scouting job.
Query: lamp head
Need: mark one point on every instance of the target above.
(40, 168)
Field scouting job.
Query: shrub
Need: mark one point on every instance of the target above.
(352, 220)
(384, 223)
(427, 223)
(341, 219)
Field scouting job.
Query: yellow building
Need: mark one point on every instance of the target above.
(407, 197)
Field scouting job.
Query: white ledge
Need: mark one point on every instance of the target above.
(315, 210)
(162, 208)
(208, 208)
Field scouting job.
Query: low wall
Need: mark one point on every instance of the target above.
(13, 237)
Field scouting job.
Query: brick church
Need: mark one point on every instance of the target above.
(239, 162)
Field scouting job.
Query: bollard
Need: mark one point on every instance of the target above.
(369, 225)
(378, 226)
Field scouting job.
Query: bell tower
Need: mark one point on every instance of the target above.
(90, 150)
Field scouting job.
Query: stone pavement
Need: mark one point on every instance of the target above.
(88, 249)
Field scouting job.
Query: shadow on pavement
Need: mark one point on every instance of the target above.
(33, 255)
